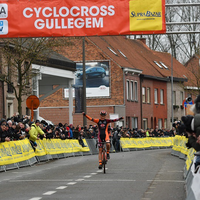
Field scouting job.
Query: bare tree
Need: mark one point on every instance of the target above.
(182, 46)
(18, 55)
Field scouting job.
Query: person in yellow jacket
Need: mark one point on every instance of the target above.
(34, 132)
(147, 132)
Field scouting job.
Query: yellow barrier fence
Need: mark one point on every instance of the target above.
(18, 151)
(21, 150)
(146, 142)
(180, 146)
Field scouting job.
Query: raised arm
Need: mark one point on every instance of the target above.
(115, 120)
(90, 118)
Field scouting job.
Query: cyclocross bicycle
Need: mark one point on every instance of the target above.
(104, 156)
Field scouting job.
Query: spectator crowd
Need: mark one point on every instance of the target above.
(16, 128)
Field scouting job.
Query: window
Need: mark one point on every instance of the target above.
(174, 97)
(181, 98)
(9, 86)
(148, 95)
(131, 92)
(136, 91)
(161, 96)
(122, 54)
(134, 122)
(155, 95)
(160, 123)
(112, 51)
(158, 65)
(143, 94)
(10, 108)
(127, 90)
(164, 65)
(165, 123)
(145, 124)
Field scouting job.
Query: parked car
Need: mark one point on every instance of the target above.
(92, 72)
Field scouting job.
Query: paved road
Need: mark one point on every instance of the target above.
(136, 175)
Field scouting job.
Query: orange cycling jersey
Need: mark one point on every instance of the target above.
(103, 127)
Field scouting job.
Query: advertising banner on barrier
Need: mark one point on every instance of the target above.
(145, 142)
(33, 18)
(15, 151)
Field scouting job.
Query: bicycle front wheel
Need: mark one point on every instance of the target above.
(104, 161)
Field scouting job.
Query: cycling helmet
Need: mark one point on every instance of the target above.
(103, 113)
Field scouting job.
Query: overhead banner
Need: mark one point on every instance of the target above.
(56, 18)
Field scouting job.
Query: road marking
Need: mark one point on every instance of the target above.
(111, 180)
(49, 193)
(61, 187)
(71, 183)
(36, 198)
(80, 179)
(88, 176)
(93, 173)
(168, 181)
(41, 180)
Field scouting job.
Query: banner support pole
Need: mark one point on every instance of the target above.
(84, 85)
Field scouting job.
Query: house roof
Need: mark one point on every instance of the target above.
(193, 66)
(137, 55)
(59, 61)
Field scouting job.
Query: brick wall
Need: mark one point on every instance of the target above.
(60, 115)
(94, 105)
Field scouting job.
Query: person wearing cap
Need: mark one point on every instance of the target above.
(34, 132)
(71, 130)
(103, 135)
(3, 131)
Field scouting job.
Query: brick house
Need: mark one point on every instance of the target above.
(139, 84)
(50, 74)
(192, 87)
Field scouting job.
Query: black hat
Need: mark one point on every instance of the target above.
(60, 125)
(2, 121)
(37, 121)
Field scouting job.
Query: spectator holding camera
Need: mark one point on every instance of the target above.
(48, 130)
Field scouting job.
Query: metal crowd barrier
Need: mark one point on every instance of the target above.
(192, 180)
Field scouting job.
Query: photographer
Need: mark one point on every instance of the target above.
(48, 130)
(192, 124)
(180, 128)
(81, 137)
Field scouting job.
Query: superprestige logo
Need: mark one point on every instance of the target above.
(69, 18)
(146, 14)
